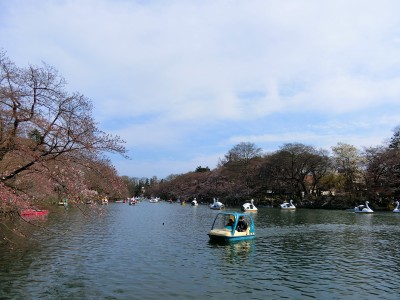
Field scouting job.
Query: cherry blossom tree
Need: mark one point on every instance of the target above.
(46, 133)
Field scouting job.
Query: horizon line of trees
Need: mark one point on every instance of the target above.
(313, 177)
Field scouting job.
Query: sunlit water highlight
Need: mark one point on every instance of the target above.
(161, 250)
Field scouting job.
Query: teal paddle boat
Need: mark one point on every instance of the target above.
(232, 226)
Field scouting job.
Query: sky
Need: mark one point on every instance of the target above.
(184, 81)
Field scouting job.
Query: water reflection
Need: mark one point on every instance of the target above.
(233, 253)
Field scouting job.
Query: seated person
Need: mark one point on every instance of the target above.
(242, 225)
(230, 223)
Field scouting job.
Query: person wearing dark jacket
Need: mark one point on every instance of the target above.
(242, 225)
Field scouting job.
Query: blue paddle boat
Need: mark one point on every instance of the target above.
(232, 226)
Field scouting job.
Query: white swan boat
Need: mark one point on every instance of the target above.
(217, 205)
(396, 210)
(154, 200)
(133, 201)
(363, 208)
(249, 207)
(288, 205)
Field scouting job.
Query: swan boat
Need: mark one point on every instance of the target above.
(154, 200)
(132, 201)
(363, 208)
(249, 207)
(194, 202)
(225, 227)
(396, 210)
(288, 205)
(217, 205)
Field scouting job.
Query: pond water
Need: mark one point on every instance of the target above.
(161, 250)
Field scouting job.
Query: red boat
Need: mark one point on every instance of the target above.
(34, 212)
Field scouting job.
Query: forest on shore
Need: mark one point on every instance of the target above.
(313, 178)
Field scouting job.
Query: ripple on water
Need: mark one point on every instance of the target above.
(150, 250)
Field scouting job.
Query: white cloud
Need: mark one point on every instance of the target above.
(229, 69)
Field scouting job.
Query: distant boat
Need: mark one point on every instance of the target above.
(217, 205)
(288, 205)
(36, 212)
(194, 202)
(249, 207)
(33, 213)
(63, 202)
(154, 200)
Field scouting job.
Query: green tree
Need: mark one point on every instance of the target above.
(394, 142)
(201, 169)
(348, 162)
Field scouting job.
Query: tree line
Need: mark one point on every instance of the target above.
(50, 145)
(339, 178)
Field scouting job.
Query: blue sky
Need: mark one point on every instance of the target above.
(183, 81)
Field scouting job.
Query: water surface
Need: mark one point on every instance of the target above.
(155, 250)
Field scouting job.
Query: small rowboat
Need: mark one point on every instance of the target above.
(34, 212)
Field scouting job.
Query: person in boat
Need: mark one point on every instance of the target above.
(230, 222)
(242, 225)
